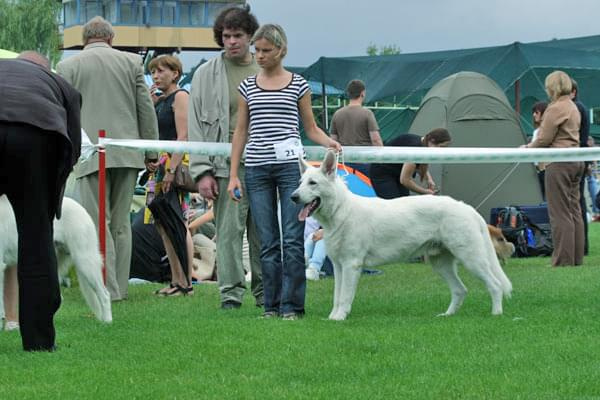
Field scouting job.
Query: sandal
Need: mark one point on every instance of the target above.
(164, 290)
(179, 291)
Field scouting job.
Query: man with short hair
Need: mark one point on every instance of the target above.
(212, 118)
(40, 141)
(116, 99)
(584, 134)
(355, 125)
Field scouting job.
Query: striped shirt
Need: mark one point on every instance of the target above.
(274, 133)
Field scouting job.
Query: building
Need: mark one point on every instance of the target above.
(140, 25)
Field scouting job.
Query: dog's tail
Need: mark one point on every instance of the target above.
(83, 247)
(496, 268)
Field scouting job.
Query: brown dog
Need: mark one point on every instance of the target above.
(504, 248)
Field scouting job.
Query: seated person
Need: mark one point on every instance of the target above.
(397, 180)
(205, 248)
(314, 248)
(149, 259)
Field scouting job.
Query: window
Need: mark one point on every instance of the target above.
(191, 13)
(70, 9)
(169, 13)
(110, 10)
(155, 8)
(131, 12)
(213, 11)
(91, 9)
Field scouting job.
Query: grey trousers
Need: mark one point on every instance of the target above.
(120, 185)
(231, 220)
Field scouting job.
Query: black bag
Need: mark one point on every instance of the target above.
(530, 240)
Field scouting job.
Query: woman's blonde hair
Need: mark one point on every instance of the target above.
(557, 84)
(274, 34)
(167, 61)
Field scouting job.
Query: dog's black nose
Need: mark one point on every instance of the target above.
(295, 198)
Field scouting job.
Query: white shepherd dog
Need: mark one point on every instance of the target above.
(366, 232)
(76, 243)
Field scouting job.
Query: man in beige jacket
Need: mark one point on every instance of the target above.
(116, 99)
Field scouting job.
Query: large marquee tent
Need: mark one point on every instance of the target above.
(519, 69)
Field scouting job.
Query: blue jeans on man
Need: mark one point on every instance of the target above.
(282, 254)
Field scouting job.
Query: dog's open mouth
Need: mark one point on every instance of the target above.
(309, 208)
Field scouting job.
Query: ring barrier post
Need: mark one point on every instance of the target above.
(102, 202)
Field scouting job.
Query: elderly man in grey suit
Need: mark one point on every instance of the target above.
(116, 99)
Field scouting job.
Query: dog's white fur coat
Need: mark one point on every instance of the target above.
(366, 232)
(76, 243)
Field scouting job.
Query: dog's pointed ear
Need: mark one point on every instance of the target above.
(329, 165)
(302, 164)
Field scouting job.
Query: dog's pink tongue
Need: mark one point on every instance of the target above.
(304, 212)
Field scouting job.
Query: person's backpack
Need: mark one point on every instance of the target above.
(530, 240)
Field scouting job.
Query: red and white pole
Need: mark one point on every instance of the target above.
(102, 203)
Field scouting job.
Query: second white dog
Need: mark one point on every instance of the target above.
(76, 243)
(366, 232)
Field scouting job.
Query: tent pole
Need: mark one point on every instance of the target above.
(518, 97)
(325, 116)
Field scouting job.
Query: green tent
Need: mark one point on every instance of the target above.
(516, 68)
(477, 114)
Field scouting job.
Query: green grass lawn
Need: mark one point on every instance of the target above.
(545, 346)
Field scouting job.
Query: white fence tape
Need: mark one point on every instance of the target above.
(369, 154)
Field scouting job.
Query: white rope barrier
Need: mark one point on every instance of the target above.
(372, 154)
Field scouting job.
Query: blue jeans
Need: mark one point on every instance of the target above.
(281, 255)
(315, 252)
(592, 184)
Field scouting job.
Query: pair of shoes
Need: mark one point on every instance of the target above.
(269, 315)
(11, 326)
(165, 289)
(230, 305)
(312, 274)
(291, 316)
(178, 291)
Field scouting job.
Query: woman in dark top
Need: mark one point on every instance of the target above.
(397, 180)
(171, 105)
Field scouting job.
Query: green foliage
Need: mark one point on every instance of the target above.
(391, 347)
(386, 50)
(31, 25)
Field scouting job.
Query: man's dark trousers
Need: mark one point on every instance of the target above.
(28, 176)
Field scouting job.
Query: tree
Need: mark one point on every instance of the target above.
(31, 25)
(373, 50)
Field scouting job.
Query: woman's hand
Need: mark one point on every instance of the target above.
(167, 181)
(155, 93)
(234, 188)
(430, 183)
(335, 145)
(318, 235)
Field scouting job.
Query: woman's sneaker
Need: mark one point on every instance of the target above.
(312, 274)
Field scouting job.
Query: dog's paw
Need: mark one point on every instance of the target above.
(444, 315)
(338, 316)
